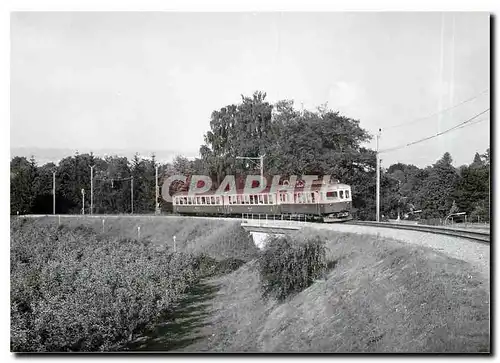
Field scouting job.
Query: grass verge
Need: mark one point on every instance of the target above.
(379, 296)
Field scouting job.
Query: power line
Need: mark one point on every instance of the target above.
(438, 112)
(460, 125)
(473, 123)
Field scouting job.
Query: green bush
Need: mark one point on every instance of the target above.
(290, 264)
(73, 290)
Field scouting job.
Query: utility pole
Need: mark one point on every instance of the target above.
(54, 192)
(378, 177)
(157, 206)
(92, 189)
(132, 193)
(83, 201)
(261, 163)
(261, 167)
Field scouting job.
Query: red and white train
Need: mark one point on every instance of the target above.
(328, 203)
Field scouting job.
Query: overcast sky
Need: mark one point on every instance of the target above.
(149, 81)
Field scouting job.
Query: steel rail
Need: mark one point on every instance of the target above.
(472, 235)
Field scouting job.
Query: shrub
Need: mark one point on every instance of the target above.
(290, 264)
(72, 290)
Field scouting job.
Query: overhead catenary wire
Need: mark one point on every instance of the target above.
(438, 112)
(460, 125)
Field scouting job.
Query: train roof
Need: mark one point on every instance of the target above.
(267, 190)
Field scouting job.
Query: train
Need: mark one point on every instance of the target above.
(325, 203)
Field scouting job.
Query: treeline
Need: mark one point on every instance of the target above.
(31, 185)
(294, 142)
(438, 190)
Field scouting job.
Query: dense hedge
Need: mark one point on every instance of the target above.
(73, 290)
(291, 263)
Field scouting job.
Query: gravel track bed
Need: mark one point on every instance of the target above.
(477, 254)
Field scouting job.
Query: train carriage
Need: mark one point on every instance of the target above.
(331, 203)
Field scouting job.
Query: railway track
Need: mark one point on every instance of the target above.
(477, 236)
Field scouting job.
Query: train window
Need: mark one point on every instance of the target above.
(331, 195)
(202, 200)
(189, 200)
(265, 199)
(313, 198)
(347, 194)
(298, 198)
(341, 193)
(270, 198)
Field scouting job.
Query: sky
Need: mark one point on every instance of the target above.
(149, 81)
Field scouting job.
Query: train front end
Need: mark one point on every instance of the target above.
(336, 205)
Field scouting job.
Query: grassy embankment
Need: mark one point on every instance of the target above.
(378, 295)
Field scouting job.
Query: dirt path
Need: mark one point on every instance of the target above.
(186, 325)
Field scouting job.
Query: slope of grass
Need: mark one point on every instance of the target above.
(381, 296)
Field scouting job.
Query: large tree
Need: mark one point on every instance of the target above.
(437, 192)
(473, 190)
(294, 142)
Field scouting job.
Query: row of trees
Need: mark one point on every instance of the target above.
(31, 185)
(294, 142)
(438, 190)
